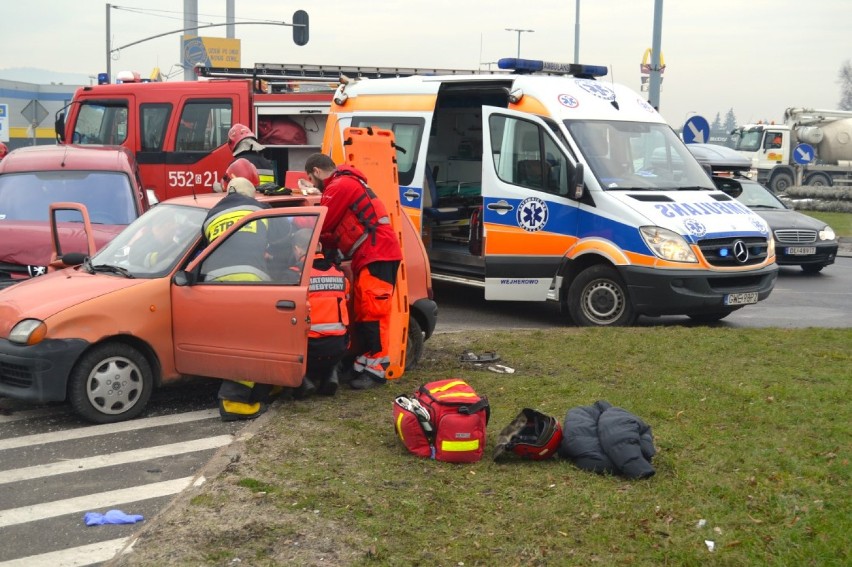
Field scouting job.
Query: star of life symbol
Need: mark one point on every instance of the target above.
(597, 89)
(759, 225)
(695, 227)
(568, 100)
(532, 214)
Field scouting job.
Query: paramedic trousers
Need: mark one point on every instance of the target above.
(373, 303)
(323, 355)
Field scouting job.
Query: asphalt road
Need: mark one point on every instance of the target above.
(798, 300)
(54, 468)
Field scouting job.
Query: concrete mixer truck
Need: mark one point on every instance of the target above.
(812, 147)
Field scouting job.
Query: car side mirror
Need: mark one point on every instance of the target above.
(73, 258)
(183, 278)
(59, 127)
(577, 184)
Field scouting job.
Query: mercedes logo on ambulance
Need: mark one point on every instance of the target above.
(740, 251)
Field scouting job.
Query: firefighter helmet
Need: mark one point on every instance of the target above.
(242, 186)
(532, 435)
(242, 168)
(3, 150)
(237, 134)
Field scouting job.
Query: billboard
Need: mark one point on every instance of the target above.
(210, 51)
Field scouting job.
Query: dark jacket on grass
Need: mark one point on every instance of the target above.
(606, 439)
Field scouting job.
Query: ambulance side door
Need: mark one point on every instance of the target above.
(254, 324)
(529, 220)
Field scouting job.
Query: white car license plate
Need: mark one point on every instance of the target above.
(741, 298)
(801, 250)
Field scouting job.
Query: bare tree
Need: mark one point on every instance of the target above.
(845, 80)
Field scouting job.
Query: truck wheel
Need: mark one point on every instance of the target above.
(110, 383)
(414, 348)
(812, 268)
(598, 298)
(710, 317)
(780, 182)
(818, 180)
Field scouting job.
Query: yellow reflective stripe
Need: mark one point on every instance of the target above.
(458, 395)
(456, 446)
(452, 384)
(399, 426)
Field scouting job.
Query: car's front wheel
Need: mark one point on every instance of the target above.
(598, 298)
(110, 383)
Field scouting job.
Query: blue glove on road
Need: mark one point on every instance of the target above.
(111, 517)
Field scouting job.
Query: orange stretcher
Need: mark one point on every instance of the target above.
(373, 152)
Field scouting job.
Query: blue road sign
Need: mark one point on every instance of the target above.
(696, 130)
(804, 154)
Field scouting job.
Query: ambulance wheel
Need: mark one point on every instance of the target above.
(414, 347)
(110, 383)
(598, 298)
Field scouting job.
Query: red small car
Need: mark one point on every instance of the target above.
(103, 178)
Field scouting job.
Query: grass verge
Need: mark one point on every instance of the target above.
(752, 428)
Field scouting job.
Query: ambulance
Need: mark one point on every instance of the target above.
(545, 182)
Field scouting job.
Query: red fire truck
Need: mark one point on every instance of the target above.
(179, 130)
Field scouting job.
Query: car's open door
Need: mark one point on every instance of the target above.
(237, 320)
(58, 259)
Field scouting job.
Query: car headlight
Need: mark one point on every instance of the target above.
(667, 244)
(827, 234)
(28, 332)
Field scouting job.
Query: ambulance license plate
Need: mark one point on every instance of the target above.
(801, 250)
(741, 298)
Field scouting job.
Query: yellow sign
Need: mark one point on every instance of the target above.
(211, 51)
(645, 66)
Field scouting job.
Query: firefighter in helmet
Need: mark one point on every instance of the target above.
(243, 144)
(357, 224)
(239, 399)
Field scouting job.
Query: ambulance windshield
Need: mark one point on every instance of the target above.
(637, 155)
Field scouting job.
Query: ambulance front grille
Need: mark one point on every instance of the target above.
(726, 252)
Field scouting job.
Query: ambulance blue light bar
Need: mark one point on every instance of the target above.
(526, 66)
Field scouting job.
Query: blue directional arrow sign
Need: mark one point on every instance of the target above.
(804, 154)
(696, 130)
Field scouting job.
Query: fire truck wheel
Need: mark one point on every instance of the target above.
(110, 383)
(598, 298)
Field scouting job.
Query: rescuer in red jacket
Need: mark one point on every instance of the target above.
(357, 224)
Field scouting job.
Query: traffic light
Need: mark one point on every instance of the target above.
(300, 27)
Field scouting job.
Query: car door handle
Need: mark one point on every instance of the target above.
(410, 195)
(286, 304)
(501, 207)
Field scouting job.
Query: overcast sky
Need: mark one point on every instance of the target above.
(755, 56)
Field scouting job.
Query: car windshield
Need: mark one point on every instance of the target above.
(756, 196)
(637, 155)
(107, 195)
(151, 246)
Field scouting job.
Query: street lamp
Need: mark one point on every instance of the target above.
(519, 37)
